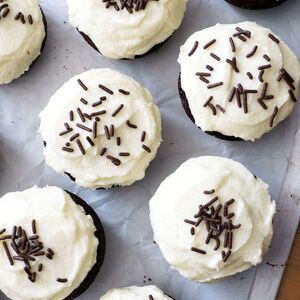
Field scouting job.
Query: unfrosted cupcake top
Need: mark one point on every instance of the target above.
(47, 244)
(150, 292)
(102, 128)
(212, 218)
(21, 34)
(239, 79)
(124, 29)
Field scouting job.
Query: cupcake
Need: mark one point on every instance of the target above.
(51, 244)
(102, 128)
(150, 292)
(23, 35)
(255, 4)
(237, 81)
(126, 29)
(212, 218)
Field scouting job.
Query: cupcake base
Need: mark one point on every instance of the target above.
(100, 251)
(255, 4)
(186, 107)
(154, 49)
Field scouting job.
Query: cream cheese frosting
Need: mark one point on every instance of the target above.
(219, 239)
(62, 227)
(239, 79)
(135, 293)
(101, 127)
(22, 33)
(117, 33)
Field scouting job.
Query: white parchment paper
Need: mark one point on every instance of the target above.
(131, 253)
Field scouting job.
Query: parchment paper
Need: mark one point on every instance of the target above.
(131, 253)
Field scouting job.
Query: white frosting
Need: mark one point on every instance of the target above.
(178, 198)
(119, 34)
(234, 122)
(62, 226)
(135, 293)
(93, 170)
(21, 43)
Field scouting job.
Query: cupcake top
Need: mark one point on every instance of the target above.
(212, 218)
(124, 29)
(240, 79)
(22, 33)
(102, 128)
(47, 244)
(150, 292)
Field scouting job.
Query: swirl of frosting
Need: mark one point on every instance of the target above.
(240, 80)
(212, 218)
(101, 127)
(150, 292)
(22, 33)
(63, 246)
(125, 33)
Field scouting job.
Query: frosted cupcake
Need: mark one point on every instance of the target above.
(256, 4)
(126, 29)
(51, 244)
(136, 293)
(102, 128)
(212, 218)
(23, 35)
(237, 81)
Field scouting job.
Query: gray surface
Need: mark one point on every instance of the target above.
(131, 253)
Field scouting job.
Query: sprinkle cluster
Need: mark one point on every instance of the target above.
(80, 118)
(240, 92)
(26, 249)
(217, 218)
(5, 11)
(130, 5)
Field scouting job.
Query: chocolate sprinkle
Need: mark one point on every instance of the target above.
(271, 123)
(215, 56)
(131, 125)
(252, 52)
(292, 95)
(143, 136)
(209, 192)
(213, 109)
(106, 89)
(194, 48)
(62, 280)
(273, 38)
(84, 127)
(211, 86)
(80, 147)
(209, 44)
(126, 93)
(208, 101)
(83, 101)
(82, 85)
(266, 57)
(147, 149)
(210, 68)
(198, 250)
(250, 75)
(8, 254)
(114, 160)
(231, 95)
(102, 152)
(232, 44)
(117, 110)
